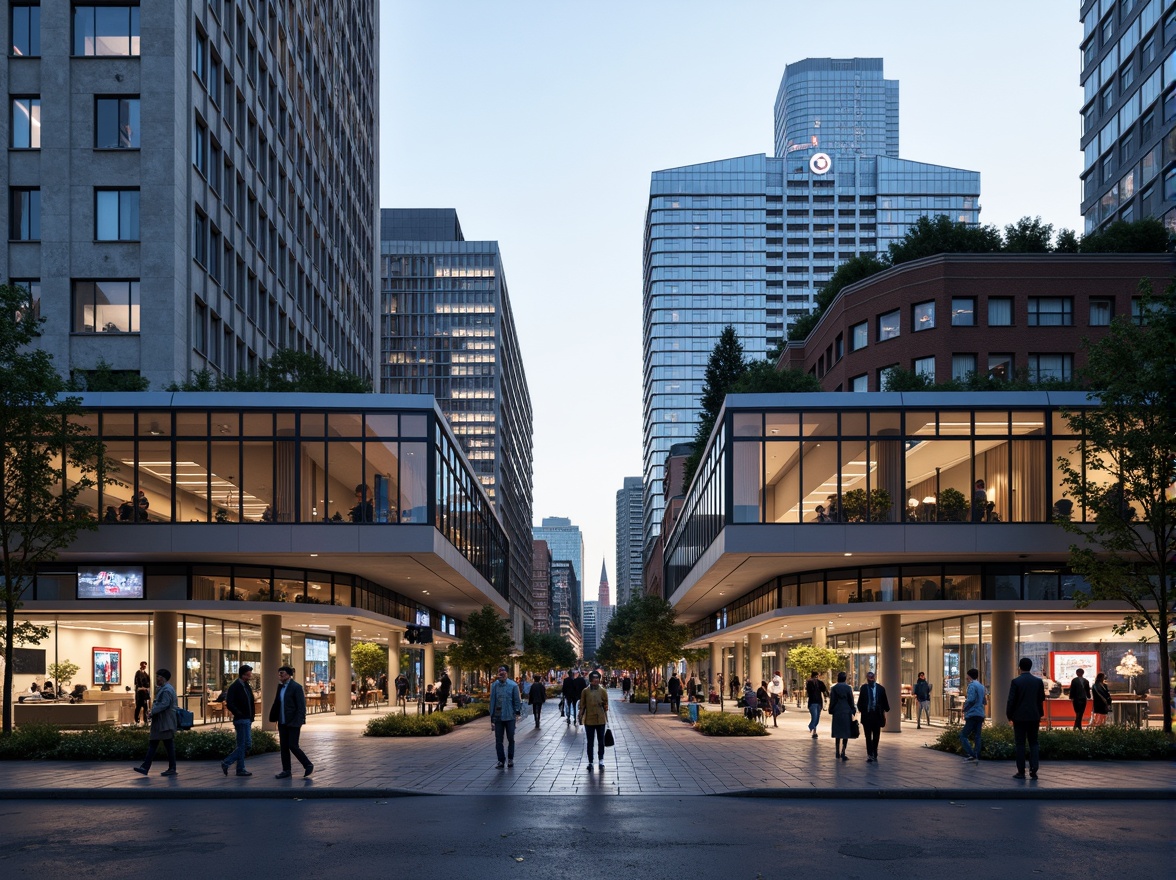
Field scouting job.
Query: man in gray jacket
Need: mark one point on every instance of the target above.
(289, 710)
(505, 708)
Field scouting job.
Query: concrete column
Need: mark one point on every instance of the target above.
(820, 637)
(430, 673)
(890, 668)
(716, 654)
(1004, 664)
(343, 669)
(393, 660)
(165, 637)
(271, 659)
(755, 659)
(739, 670)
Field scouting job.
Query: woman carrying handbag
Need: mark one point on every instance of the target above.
(843, 710)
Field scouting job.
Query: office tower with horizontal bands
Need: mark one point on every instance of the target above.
(193, 185)
(447, 329)
(749, 241)
(1129, 111)
(565, 540)
(628, 537)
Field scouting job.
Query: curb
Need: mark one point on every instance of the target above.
(941, 794)
(202, 794)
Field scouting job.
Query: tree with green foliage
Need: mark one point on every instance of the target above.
(807, 659)
(726, 364)
(368, 660)
(1122, 475)
(486, 642)
(1147, 236)
(1028, 236)
(41, 439)
(694, 658)
(762, 377)
(62, 673)
(105, 378)
(546, 651)
(643, 634)
(850, 272)
(1067, 242)
(929, 236)
(286, 370)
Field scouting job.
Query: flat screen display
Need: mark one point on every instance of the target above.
(316, 650)
(125, 582)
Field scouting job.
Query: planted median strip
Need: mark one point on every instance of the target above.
(46, 742)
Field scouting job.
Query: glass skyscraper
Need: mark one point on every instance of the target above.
(629, 501)
(749, 241)
(565, 542)
(446, 329)
(1128, 112)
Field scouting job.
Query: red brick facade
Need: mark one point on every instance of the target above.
(1063, 293)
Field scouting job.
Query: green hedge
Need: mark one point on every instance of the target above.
(1106, 743)
(728, 724)
(47, 742)
(433, 724)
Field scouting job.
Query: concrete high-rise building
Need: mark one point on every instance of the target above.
(628, 570)
(566, 603)
(447, 329)
(1129, 111)
(565, 542)
(591, 636)
(541, 587)
(749, 241)
(193, 186)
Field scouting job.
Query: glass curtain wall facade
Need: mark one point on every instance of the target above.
(243, 136)
(628, 537)
(814, 464)
(1128, 73)
(447, 329)
(265, 465)
(565, 542)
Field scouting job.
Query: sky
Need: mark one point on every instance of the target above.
(541, 122)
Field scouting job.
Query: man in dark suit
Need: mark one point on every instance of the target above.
(289, 710)
(1079, 694)
(1025, 709)
(873, 705)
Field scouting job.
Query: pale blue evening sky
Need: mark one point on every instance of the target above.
(540, 122)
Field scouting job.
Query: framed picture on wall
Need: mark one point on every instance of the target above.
(107, 666)
(1063, 665)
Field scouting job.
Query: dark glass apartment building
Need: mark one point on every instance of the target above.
(1128, 139)
(447, 329)
(749, 241)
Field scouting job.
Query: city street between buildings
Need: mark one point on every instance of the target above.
(654, 755)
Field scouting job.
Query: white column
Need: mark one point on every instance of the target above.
(755, 659)
(393, 660)
(716, 659)
(271, 659)
(343, 669)
(430, 673)
(739, 664)
(890, 668)
(165, 635)
(1004, 664)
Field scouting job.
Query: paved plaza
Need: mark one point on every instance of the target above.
(654, 755)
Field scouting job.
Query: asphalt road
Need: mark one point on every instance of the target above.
(585, 838)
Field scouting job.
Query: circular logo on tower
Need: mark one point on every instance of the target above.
(820, 163)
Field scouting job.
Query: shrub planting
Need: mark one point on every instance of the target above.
(1106, 743)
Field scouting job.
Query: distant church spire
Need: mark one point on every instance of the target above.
(604, 596)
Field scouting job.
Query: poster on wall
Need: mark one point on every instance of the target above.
(1064, 664)
(107, 666)
(125, 582)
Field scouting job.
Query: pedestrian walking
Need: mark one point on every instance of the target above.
(401, 689)
(1079, 696)
(593, 714)
(506, 706)
(691, 687)
(873, 705)
(842, 710)
(922, 700)
(537, 697)
(573, 686)
(1102, 701)
(443, 690)
(289, 711)
(763, 700)
(674, 691)
(973, 716)
(735, 690)
(1026, 708)
(626, 687)
(142, 694)
(777, 692)
(816, 691)
(163, 724)
(239, 702)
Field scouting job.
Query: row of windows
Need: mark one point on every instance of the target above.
(116, 122)
(116, 215)
(111, 30)
(1041, 367)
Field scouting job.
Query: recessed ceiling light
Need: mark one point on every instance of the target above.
(849, 554)
(314, 554)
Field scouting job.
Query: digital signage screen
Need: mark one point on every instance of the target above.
(316, 650)
(111, 583)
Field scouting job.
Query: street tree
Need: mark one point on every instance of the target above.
(643, 634)
(486, 642)
(1123, 476)
(41, 439)
(368, 660)
(545, 651)
(807, 659)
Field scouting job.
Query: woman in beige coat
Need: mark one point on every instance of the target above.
(594, 715)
